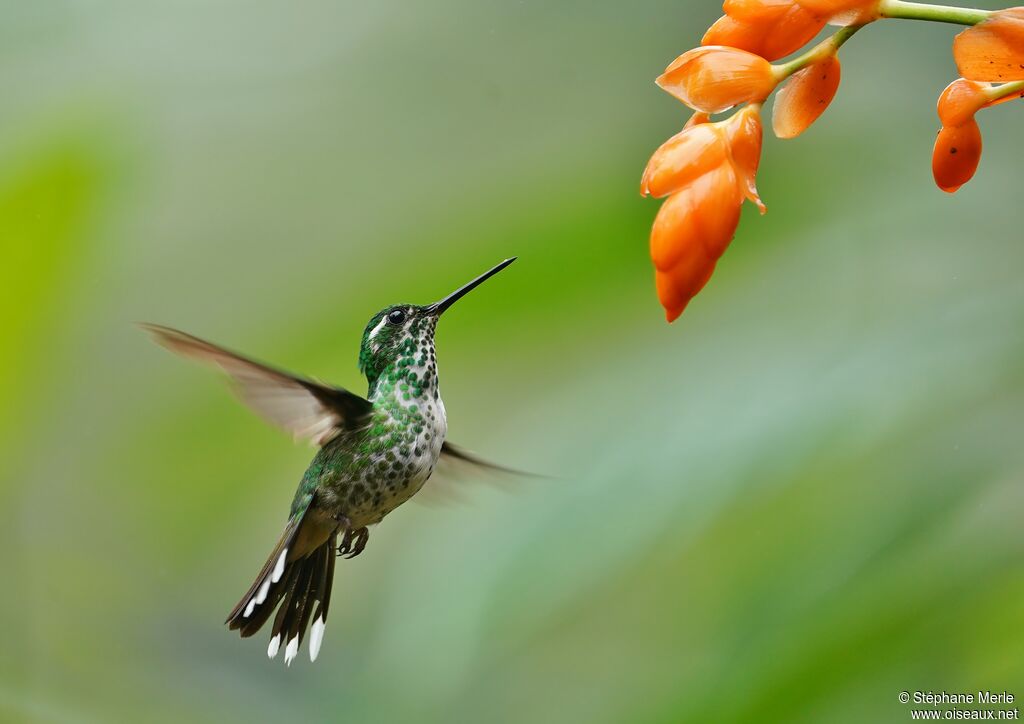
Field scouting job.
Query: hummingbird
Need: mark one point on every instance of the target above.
(374, 453)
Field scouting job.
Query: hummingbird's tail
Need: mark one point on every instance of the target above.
(298, 576)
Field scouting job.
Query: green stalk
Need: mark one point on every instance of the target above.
(936, 13)
(1004, 90)
(886, 9)
(825, 48)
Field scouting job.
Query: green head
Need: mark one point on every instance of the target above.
(401, 336)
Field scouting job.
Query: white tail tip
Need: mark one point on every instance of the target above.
(279, 566)
(261, 595)
(275, 644)
(316, 637)
(291, 651)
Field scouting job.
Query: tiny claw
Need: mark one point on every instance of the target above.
(346, 541)
(354, 542)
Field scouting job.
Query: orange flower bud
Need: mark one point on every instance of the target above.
(735, 33)
(992, 50)
(704, 214)
(700, 147)
(681, 159)
(772, 38)
(960, 101)
(707, 169)
(956, 155)
(805, 97)
(692, 229)
(677, 287)
(714, 78)
(843, 12)
(757, 11)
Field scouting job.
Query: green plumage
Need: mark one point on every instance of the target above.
(374, 454)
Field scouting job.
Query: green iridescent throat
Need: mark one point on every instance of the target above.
(398, 361)
(400, 366)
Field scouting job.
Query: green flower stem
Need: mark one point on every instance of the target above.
(822, 50)
(935, 13)
(886, 9)
(1004, 90)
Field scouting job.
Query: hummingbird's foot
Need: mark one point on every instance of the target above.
(354, 542)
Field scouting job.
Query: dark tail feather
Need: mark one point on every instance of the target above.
(252, 611)
(297, 585)
(309, 592)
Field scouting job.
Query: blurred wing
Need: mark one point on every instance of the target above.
(457, 466)
(302, 407)
(459, 457)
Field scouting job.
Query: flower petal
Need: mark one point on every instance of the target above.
(773, 38)
(714, 78)
(744, 135)
(703, 215)
(677, 287)
(843, 12)
(681, 159)
(956, 155)
(992, 50)
(717, 209)
(960, 100)
(757, 11)
(805, 97)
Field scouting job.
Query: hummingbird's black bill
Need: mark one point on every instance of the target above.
(439, 307)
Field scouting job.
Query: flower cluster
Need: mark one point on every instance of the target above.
(990, 58)
(707, 170)
(774, 29)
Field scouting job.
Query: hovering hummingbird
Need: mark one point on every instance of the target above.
(374, 454)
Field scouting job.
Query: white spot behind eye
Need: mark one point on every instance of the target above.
(381, 323)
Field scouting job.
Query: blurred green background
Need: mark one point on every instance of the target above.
(800, 499)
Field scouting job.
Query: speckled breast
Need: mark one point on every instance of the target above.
(396, 459)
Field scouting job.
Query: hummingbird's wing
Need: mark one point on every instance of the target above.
(301, 406)
(455, 466)
(458, 457)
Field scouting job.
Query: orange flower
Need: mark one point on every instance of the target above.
(844, 12)
(956, 155)
(686, 156)
(960, 100)
(771, 36)
(957, 149)
(702, 146)
(692, 229)
(714, 78)
(776, 28)
(992, 50)
(805, 97)
(707, 169)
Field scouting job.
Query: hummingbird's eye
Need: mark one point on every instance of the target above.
(396, 316)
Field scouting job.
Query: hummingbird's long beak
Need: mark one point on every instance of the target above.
(437, 308)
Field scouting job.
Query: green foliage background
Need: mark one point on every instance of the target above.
(799, 500)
